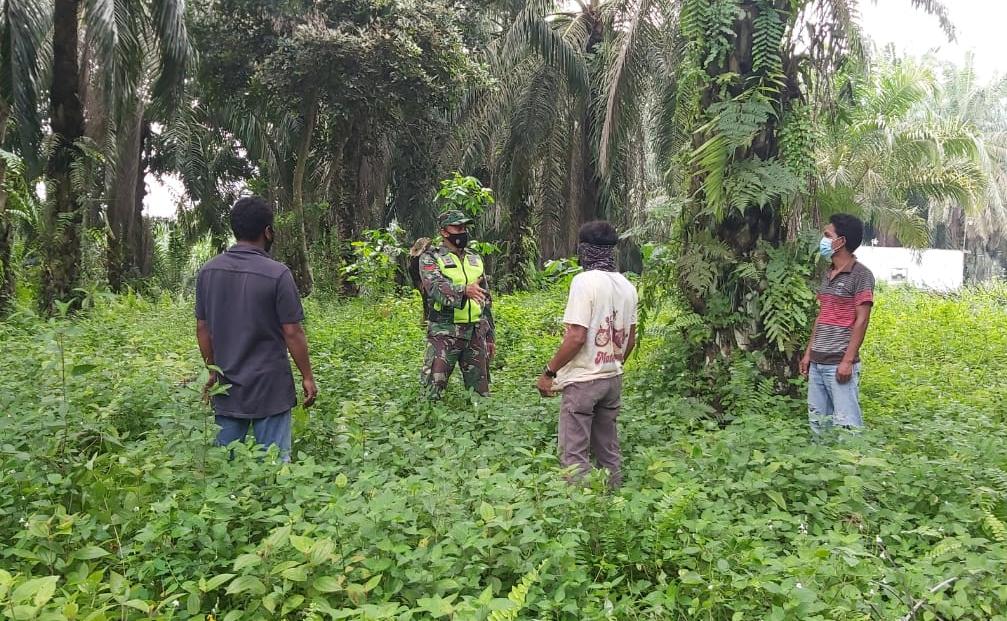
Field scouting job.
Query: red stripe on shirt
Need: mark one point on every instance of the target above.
(841, 310)
(863, 297)
(836, 310)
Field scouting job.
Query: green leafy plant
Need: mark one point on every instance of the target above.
(397, 508)
(376, 270)
(465, 194)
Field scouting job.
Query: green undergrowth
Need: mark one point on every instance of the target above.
(113, 504)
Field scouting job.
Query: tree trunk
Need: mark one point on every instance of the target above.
(298, 245)
(141, 233)
(740, 233)
(95, 87)
(347, 206)
(415, 173)
(590, 200)
(517, 259)
(61, 254)
(125, 220)
(6, 226)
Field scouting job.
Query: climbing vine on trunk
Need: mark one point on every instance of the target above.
(747, 286)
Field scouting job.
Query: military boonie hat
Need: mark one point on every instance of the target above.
(452, 217)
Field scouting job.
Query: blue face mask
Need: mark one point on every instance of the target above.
(825, 248)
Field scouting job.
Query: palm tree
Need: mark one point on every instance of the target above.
(565, 131)
(211, 165)
(751, 71)
(887, 152)
(962, 100)
(61, 257)
(23, 25)
(151, 56)
(121, 35)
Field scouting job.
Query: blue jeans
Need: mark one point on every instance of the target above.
(831, 404)
(268, 431)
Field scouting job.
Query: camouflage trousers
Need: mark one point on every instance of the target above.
(469, 352)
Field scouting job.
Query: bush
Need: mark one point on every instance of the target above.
(114, 504)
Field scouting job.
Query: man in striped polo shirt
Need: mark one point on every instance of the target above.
(832, 360)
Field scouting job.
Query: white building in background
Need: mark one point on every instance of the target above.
(940, 270)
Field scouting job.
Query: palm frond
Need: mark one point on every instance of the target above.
(531, 28)
(175, 50)
(101, 25)
(938, 10)
(626, 79)
(24, 25)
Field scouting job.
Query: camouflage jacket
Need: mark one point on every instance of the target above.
(450, 296)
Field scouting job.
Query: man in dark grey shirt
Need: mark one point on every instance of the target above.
(248, 315)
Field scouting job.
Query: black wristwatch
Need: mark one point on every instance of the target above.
(549, 372)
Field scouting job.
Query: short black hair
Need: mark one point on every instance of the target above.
(249, 218)
(850, 227)
(599, 233)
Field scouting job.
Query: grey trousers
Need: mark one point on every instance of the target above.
(587, 426)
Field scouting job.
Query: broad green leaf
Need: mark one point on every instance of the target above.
(301, 544)
(279, 568)
(216, 581)
(82, 369)
(500, 603)
(192, 604)
(39, 590)
(88, 553)
(321, 551)
(269, 602)
(486, 512)
(246, 560)
(387, 610)
(296, 574)
(292, 603)
(278, 538)
(327, 584)
(246, 584)
(373, 582)
(437, 606)
(777, 497)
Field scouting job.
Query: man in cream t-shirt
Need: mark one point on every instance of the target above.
(600, 334)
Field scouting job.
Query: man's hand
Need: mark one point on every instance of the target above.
(491, 349)
(310, 391)
(545, 386)
(805, 363)
(210, 382)
(844, 372)
(476, 293)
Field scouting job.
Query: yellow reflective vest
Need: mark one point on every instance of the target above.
(463, 272)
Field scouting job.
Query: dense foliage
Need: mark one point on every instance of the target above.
(725, 127)
(114, 505)
(716, 134)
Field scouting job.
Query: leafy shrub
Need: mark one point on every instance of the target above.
(376, 271)
(113, 504)
(465, 194)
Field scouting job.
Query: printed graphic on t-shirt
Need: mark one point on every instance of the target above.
(608, 334)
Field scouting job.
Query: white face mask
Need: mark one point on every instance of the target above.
(825, 248)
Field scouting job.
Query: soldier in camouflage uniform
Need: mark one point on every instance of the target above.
(460, 325)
